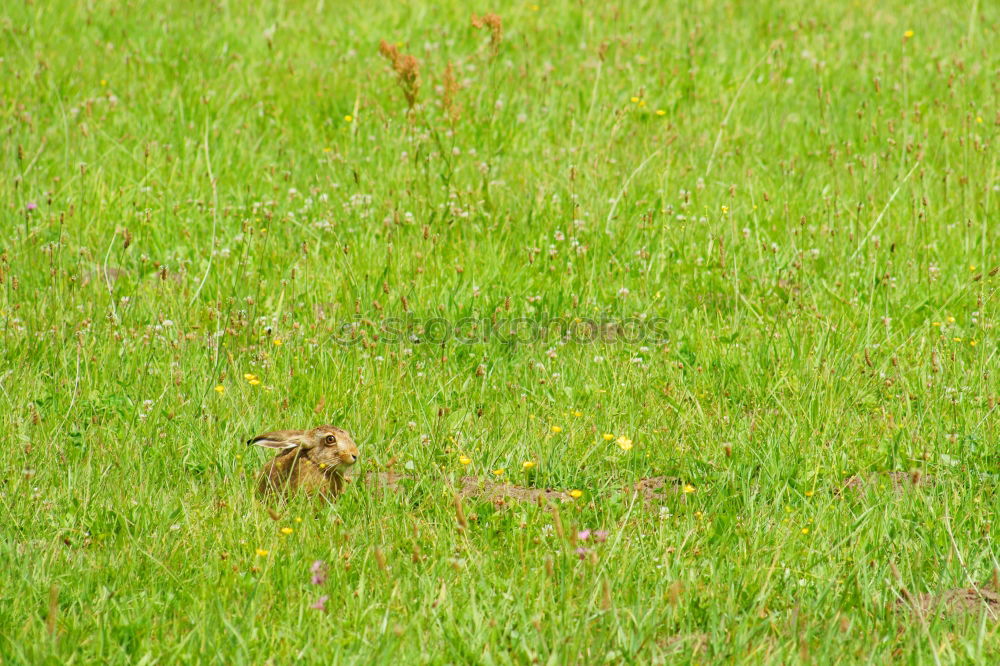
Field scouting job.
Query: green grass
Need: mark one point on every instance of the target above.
(810, 227)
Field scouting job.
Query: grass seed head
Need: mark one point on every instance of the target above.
(50, 620)
(460, 514)
(674, 592)
(449, 92)
(606, 602)
(557, 523)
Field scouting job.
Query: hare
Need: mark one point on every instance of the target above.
(311, 460)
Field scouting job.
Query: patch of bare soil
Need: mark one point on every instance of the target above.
(956, 603)
(472, 486)
(898, 481)
(684, 643)
(656, 488)
(384, 480)
(651, 490)
(499, 493)
(108, 275)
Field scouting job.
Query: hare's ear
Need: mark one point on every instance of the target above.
(281, 439)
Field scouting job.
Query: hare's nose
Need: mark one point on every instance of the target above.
(349, 458)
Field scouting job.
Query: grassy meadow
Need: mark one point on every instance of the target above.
(721, 276)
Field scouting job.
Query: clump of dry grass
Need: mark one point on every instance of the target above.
(407, 69)
(495, 24)
(449, 90)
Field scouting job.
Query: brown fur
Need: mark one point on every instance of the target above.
(312, 461)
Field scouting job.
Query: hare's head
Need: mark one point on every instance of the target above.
(329, 447)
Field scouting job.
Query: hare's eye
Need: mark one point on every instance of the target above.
(330, 439)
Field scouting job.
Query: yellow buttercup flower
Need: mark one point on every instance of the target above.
(465, 460)
(576, 494)
(220, 389)
(624, 442)
(608, 437)
(528, 464)
(261, 552)
(688, 488)
(287, 530)
(498, 472)
(557, 429)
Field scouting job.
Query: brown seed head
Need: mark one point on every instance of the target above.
(407, 70)
(495, 24)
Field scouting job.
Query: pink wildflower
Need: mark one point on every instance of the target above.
(318, 570)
